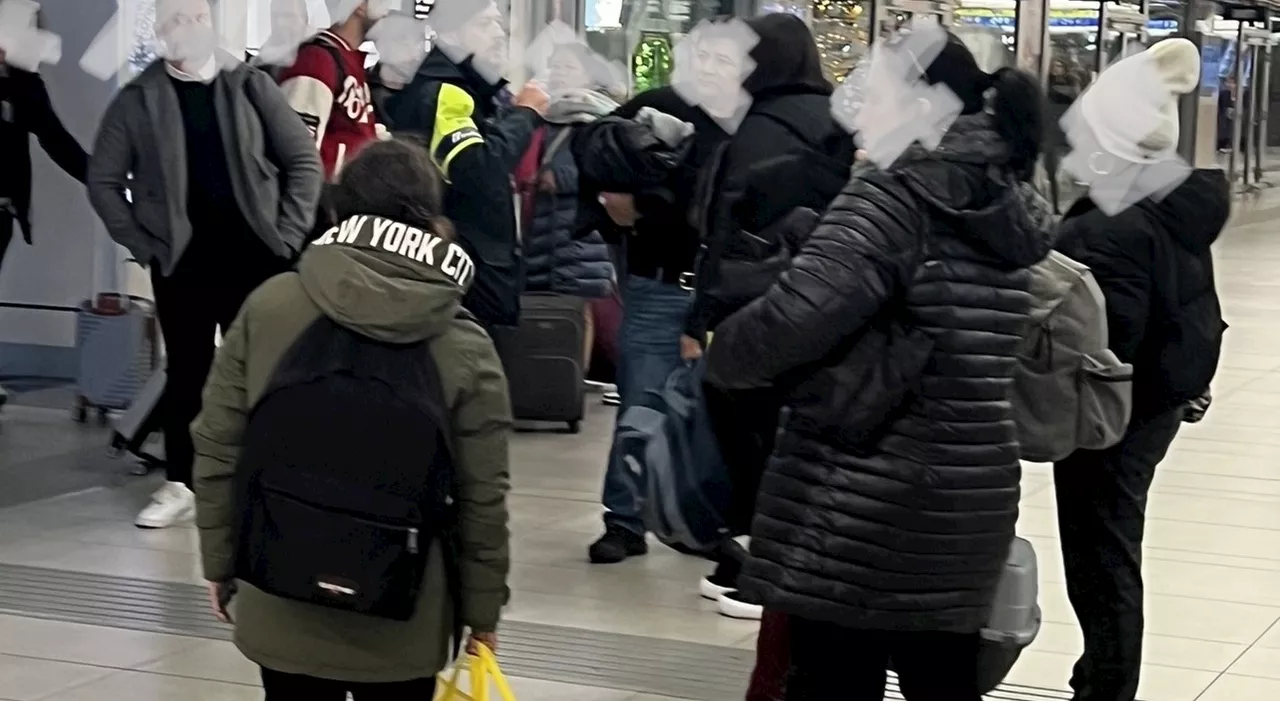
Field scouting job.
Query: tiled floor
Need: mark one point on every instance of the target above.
(1213, 547)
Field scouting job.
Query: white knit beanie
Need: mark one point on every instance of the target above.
(1132, 108)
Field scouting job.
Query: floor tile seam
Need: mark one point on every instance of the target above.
(1237, 602)
(1224, 673)
(1181, 471)
(1238, 441)
(1254, 375)
(1163, 636)
(143, 547)
(1233, 495)
(1151, 518)
(119, 671)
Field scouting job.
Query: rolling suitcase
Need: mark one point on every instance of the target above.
(117, 342)
(544, 370)
(137, 424)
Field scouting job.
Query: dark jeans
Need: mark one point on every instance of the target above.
(294, 687)
(649, 350)
(830, 663)
(1102, 504)
(204, 293)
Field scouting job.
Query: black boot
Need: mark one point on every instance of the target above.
(617, 544)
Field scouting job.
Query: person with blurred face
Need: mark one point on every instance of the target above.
(328, 87)
(452, 103)
(290, 27)
(561, 259)
(718, 71)
(401, 41)
(25, 110)
(212, 217)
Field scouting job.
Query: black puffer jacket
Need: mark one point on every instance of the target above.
(792, 123)
(891, 498)
(1154, 266)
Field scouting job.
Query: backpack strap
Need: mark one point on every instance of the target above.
(550, 151)
(338, 63)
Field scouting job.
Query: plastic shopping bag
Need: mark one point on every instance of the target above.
(482, 672)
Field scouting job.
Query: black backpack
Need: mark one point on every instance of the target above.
(346, 477)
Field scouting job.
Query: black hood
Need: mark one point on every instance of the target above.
(965, 182)
(1196, 211)
(806, 112)
(786, 57)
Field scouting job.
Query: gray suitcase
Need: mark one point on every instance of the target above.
(544, 363)
(117, 344)
(1015, 617)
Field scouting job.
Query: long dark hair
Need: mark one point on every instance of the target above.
(1017, 104)
(394, 179)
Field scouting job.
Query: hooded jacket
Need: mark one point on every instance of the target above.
(891, 497)
(397, 299)
(476, 145)
(1155, 269)
(560, 257)
(25, 109)
(790, 115)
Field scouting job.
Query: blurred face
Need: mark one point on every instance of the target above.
(185, 28)
(289, 18)
(565, 71)
(485, 37)
(717, 71)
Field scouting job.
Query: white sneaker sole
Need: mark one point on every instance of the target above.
(738, 610)
(186, 516)
(710, 590)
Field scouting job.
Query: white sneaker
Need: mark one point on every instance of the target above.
(708, 589)
(732, 606)
(170, 505)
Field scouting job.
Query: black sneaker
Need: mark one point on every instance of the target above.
(616, 545)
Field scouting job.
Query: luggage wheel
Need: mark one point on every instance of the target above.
(575, 427)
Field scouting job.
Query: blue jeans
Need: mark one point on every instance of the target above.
(653, 315)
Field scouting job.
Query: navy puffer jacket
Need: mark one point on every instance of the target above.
(562, 256)
(556, 260)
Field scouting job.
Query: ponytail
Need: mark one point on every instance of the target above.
(1018, 114)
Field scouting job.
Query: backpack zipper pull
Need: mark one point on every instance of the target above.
(413, 541)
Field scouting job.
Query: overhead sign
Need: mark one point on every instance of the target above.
(1002, 17)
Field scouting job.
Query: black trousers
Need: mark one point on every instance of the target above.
(1102, 505)
(830, 663)
(204, 293)
(745, 423)
(7, 229)
(294, 687)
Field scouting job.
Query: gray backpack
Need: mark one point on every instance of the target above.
(1070, 391)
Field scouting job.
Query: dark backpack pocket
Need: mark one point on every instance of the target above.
(321, 555)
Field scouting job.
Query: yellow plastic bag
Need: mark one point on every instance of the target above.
(482, 671)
